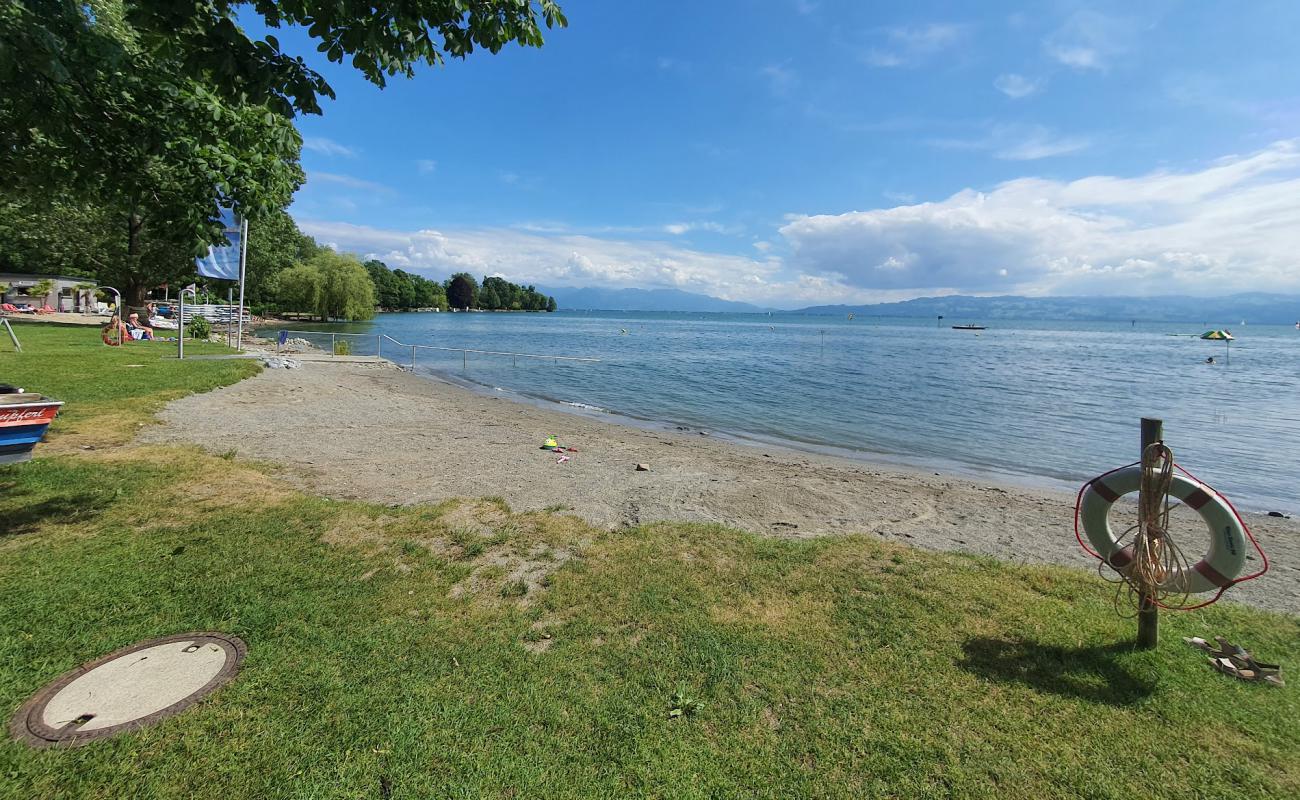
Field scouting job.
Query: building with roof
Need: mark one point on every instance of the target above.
(65, 293)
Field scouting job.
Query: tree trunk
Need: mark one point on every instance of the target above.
(135, 289)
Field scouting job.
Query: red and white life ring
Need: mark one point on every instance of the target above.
(1220, 566)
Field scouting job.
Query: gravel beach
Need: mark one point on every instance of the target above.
(372, 431)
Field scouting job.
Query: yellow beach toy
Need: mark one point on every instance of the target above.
(550, 443)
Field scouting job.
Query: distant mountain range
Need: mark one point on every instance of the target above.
(594, 299)
(1256, 307)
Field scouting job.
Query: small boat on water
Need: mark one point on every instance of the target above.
(970, 327)
(24, 418)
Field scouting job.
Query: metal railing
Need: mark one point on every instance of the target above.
(380, 338)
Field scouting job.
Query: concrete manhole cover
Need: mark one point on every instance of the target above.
(128, 689)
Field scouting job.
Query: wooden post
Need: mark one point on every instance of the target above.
(1148, 635)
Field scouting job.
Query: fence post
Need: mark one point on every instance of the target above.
(1148, 634)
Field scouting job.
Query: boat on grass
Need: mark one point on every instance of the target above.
(24, 418)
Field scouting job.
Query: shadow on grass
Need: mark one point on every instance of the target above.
(21, 514)
(1087, 673)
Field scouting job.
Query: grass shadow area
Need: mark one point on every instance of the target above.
(1095, 674)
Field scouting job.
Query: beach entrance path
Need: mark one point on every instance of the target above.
(373, 432)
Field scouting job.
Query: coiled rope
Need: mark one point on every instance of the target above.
(1155, 554)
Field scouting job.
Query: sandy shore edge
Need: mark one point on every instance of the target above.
(372, 431)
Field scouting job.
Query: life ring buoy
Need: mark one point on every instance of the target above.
(108, 339)
(1220, 566)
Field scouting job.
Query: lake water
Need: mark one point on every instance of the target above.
(1037, 402)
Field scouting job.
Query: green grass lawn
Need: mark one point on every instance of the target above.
(462, 650)
(116, 387)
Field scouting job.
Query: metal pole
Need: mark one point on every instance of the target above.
(464, 359)
(412, 356)
(243, 258)
(379, 345)
(180, 322)
(1148, 634)
(333, 349)
(230, 324)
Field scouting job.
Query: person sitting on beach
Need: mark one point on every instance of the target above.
(115, 327)
(137, 331)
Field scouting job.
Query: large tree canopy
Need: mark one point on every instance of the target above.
(90, 120)
(381, 38)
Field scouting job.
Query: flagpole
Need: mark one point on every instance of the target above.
(243, 258)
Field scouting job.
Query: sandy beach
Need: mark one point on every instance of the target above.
(372, 431)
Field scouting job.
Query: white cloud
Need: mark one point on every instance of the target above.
(1018, 143)
(1231, 226)
(327, 147)
(906, 46)
(679, 228)
(581, 260)
(1089, 40)
(347, 181)
(1017, 86)
(426, 166)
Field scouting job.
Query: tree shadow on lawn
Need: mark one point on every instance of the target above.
(1088, 673)
(21, 514)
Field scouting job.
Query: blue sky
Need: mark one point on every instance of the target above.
(789, 152)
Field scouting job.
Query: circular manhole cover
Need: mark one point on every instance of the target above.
(128, 689)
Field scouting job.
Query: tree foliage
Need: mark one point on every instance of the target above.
(346, 291)
(499, 294)
(380, 38)
(398, 290)
(462, 290)
(298, 289)
(90, 117)
(329, 285)
(274, 245)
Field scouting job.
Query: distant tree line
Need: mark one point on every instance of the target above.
(495, 294)
(286, 270)
(398, 290)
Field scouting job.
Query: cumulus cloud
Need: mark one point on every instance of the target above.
(1017, 86)
(581, 260)
(906, 46)
(327, 147)
(1232, 226)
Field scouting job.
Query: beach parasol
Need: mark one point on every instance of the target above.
(1225, 336)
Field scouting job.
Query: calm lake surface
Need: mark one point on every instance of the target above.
(1034, 402)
